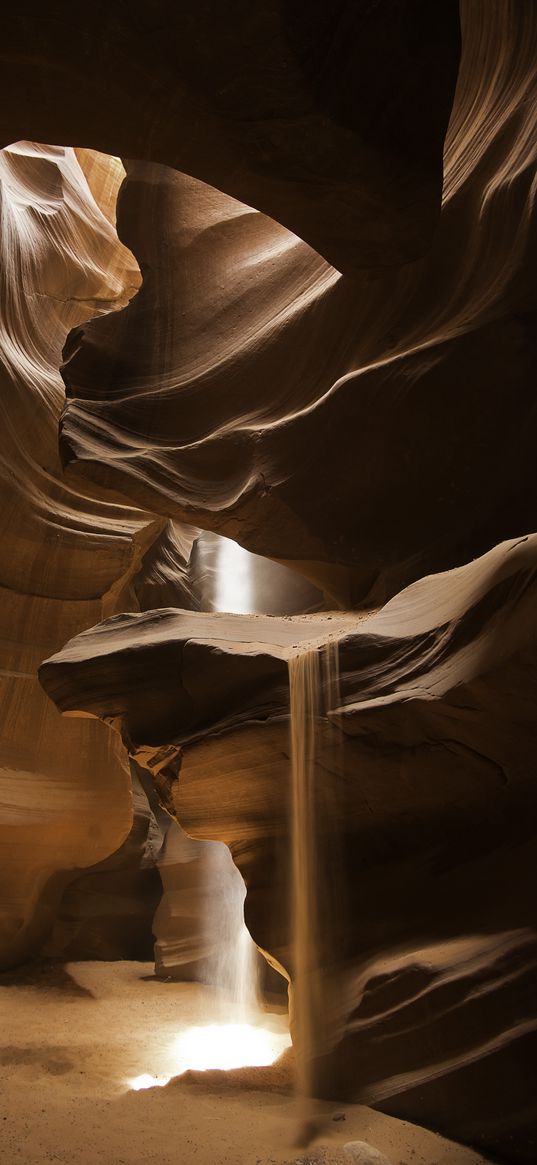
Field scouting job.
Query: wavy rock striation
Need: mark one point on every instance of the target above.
(430, 750)
(69, 559)
(329, 117)
(327, 366)
(66, 557)
(405, 395)
(107, 911)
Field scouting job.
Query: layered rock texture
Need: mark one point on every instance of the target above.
(71, 556)
(396, 373)
(301, 317)
(64, 554)
(327, 117)
(427, 761)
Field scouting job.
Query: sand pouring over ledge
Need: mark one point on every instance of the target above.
(298, 316)
(430, 676)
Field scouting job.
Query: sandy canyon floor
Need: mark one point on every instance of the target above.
(73, 1037)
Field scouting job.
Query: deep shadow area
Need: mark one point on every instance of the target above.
(48, 975)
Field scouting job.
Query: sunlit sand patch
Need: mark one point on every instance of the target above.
(230, 1045)
(146, 1081)
(225, 1046)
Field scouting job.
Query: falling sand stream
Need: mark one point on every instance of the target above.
(233, 963)
(314, 686)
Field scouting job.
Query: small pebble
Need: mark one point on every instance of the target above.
(361, 1153)
(339, 1116)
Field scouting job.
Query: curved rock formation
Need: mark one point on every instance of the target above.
(301, 109)
(432, 983)
(370, 423)
(405, 394)
(66, 556)
(107, 911)
(69, 558)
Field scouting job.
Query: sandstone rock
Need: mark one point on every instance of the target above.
(68, 559)
(107, 911)
(64, 554)
(432, 828)
(367, 428)
(329, 366)
(360, 1153)
(343, 146)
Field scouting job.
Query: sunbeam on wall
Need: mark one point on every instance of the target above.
(234, 584)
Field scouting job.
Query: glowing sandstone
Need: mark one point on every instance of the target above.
(65, 555)
(329, 366)
(436, 800)
(367, 427)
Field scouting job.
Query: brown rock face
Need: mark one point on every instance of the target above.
(300, 339)
(329, 117)
(107, 911)
(68, 559)
(435, 817)
(64, 554)
(386, 387)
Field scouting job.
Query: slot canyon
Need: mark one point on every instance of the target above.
(268, 589)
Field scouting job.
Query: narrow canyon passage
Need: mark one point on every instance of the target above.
(268, 583)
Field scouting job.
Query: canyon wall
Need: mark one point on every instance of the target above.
(313, 332)
(354, 425)
(64, 553)
(328, 118)
(430, 820)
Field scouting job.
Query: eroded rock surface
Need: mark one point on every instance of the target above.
(107, 911)
(329, 117)
(68, 559)
(435, 811)
(329, 366)
(65, 556)
(368, 428)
